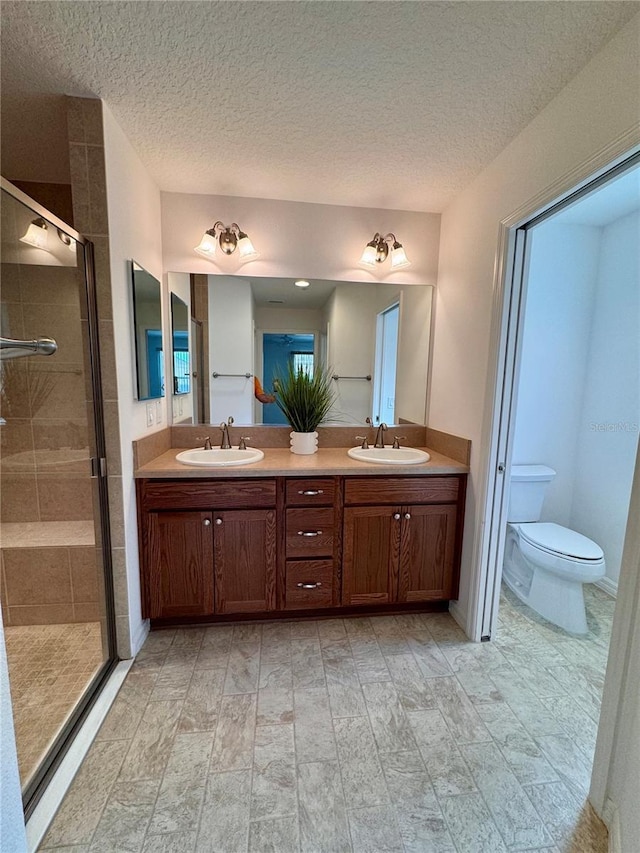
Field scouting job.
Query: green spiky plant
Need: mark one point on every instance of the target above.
(304, 400)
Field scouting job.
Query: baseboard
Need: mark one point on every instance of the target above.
(609, 586)
(458, 615)
(611, 818)
(137, 642)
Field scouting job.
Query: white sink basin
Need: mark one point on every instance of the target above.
(389, 455)
(218, 458)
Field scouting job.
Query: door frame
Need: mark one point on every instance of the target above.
(504, 355)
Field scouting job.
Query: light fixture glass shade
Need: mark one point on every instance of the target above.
(399, 259)
(369, 255)
(36, 234)
(301, 283)
(207, 247)
(245, 248)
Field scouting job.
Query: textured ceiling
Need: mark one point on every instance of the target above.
(377, 104)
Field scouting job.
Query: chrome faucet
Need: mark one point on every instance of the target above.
(380, 435)
(225, 444)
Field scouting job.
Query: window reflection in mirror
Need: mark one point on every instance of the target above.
(180, 345)
(377, 333)
(147, 333)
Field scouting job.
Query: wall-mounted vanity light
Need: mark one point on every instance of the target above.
(377, 250)
(229, 238)
(36, 235)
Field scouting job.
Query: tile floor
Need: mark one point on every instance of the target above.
(50, 667)
(367, 734)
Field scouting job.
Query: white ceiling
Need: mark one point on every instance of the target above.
(376, 104)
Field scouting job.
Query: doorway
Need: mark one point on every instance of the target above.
(386, 360)
(599, 205)
(278, 351)
(56, 591)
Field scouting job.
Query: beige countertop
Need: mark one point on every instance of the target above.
(280, 462)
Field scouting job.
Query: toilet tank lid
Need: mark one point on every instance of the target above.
(531, 473)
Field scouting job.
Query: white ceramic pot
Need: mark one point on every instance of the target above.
(304, 443)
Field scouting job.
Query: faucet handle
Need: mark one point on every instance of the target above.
(207, 443)
(369, 422)
(396, 441)
(364, 440)
(230, 420)
(242, 444)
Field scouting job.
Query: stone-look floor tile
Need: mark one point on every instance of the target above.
(462, 718)
(277, 835)
(275, 674)
(369, 660)
(429, 657)
(332, 647)
(331, 629)
(218, 637)
(374, 830)
(389, 723)
(314, 736)
(575, 721)
(515, 817)
(306, 664)
(586, 691)
(275, 705)
(445, 765)
(415, 691)
(210, 657)
(275, 651)
(520, 751)
(540, 679)
(174, 677)
(343, 684)
(408, 781)
(200, 709)
(71, 848)
(233, 745)
(444, 630)
(243, 669)
(533, 715)
(572, 822)
(182, 790)
(568, 761)
(251, 632)
(423, 831)
(471, 826)
(188, 638)
(157, 642)
(273, 791)
(127, 710)
(224, 822)
(360, 626)
(174, 842)
(149, 750)
(125, 818)
(82, 807)
(362, 776)
(323, 816)
(304, 630)
(479, 686)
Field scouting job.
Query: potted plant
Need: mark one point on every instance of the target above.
(306, 399)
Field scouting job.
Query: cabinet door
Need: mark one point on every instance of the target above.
(427, 552)
(180, 564)
(371, 554)
(245, 560)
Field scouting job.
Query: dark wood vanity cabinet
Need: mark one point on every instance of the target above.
(220, 547)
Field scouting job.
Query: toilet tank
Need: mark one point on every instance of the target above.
(528, 485)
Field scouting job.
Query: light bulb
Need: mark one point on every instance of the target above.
(207, 247)
(369, 255)
(399, 259)
(301, 283)
(36, 234)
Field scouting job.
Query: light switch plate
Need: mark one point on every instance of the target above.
(159, 411)
(151, 414)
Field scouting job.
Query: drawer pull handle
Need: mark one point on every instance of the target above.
(309, 585)
(309, 532)
(310, 492)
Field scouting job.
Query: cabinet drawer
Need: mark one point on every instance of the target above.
(400, 490)
(309, 584)
(310, 532)
(312, 492)
(207, 494)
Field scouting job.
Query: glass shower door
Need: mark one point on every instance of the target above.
(54, 535)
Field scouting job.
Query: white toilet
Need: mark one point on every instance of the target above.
(545, 564)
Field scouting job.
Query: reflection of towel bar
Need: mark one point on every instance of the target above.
(238, 375)
(367, 377)
(10, 348)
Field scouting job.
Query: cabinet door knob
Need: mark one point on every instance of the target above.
(218, 521)
(310, 492)
(309, 532)
(407, 515)
(309, 585)
(207, 522)
(396, 515)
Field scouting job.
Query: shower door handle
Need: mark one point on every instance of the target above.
(98, 467)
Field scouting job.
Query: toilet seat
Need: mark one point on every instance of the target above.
(560, 541)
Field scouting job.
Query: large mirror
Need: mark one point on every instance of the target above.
(147, 333)
(180, 346)
(374, 337)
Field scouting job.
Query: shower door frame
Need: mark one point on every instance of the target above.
(63, 740)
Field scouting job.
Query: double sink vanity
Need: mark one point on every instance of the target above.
(287, 535)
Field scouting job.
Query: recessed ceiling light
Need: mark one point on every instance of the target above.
(301, 283)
